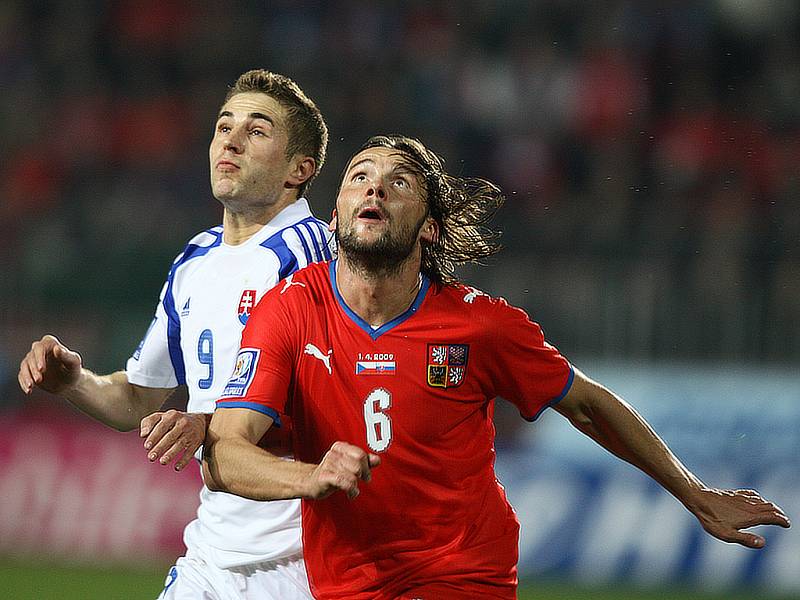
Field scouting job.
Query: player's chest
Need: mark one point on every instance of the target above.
(211, 304)
(420, 382)
(220, 294)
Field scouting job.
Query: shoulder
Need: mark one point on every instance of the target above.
(300, 243)
(200, 245)
(302, 287)
(469, 298)
(290, 304)
(481, 309)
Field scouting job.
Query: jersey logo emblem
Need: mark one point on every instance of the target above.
(473, 293)
(447, 364)
(185, 309)
(317, 353)
(289, 283)
(246, 304)
(243, 373)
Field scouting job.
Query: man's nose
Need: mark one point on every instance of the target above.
(376, 189)
(233, 142)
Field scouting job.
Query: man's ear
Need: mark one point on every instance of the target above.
(304, 169)
(429, 233)
(332, 224)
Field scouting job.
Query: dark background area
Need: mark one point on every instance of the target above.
(649, 156)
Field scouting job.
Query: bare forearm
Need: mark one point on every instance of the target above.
(616, 426)
(112, 400)
(242, 468)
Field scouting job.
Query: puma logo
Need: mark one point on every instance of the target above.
(289, 283)
(317, 353)
(473, 293)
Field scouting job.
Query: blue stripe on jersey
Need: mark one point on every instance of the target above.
(264, 410)
(319, 233)
(173, 321)
(314, 240)
(301, 237)
(286, 257)
(558, 398)
(376, 333)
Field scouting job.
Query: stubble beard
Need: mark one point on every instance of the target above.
(381, 257)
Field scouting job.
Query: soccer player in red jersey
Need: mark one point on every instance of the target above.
(381, 360)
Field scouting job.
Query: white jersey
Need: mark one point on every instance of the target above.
(194, 340)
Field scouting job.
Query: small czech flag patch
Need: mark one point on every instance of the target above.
(375, 367)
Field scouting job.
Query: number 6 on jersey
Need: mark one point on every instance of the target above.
(379, 426)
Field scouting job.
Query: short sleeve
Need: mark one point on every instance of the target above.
(529, 372)
(262, 374)
(151, 364)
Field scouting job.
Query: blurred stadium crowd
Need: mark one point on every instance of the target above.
(649, 155)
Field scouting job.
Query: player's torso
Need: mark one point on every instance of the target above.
(418, 394)
(417, 391)
(213, 296)
(391, 382)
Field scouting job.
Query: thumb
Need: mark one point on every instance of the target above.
(374, 460)
(68, 358)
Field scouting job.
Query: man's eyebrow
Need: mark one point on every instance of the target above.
(362, 161)
(258, 115)
(252, 115)
(406, 170)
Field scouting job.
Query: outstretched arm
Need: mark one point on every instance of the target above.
(233, 462)
(111, 399)
(616, 426)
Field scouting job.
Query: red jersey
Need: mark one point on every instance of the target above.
(419, 392)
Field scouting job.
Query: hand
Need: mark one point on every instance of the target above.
(173, 435)
(49, 365)
(341, 468)
(724, 513)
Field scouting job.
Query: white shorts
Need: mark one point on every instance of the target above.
(193, 578)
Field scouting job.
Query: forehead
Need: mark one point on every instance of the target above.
(246, 103)
(384, 158)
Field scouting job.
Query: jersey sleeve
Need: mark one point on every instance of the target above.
(262, 375)
(529, 371)
(151, 364)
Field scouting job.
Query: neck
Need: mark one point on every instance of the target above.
(378, 297)
(239, 226)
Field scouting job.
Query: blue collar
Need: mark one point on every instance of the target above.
(376, 333)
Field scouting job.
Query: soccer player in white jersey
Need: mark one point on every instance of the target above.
(269, 143)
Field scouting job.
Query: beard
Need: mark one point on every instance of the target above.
(378, 257)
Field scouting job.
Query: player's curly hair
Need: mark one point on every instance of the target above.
(308, 133)
(462, 206)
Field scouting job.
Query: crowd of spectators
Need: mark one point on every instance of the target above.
(649, 155)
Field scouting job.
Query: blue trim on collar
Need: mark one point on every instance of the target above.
(376, 333)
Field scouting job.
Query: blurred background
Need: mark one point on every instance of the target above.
(649, 156)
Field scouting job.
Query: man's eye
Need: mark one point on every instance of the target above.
(359, 177)
(223, 129)
(256, 132)
(401, 183)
